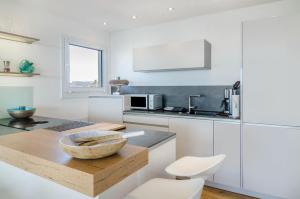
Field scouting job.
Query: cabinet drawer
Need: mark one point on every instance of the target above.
(144, 120)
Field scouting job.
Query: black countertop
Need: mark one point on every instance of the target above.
(150, 138)
(38, 122)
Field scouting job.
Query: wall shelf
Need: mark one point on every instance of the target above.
(18, 38)
(17, 74)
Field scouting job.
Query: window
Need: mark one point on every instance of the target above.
(83, 68)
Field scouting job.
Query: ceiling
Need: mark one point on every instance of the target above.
(118, 13)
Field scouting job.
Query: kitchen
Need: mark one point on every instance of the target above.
(224, 90)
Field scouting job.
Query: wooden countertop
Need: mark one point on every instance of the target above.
(38, 152)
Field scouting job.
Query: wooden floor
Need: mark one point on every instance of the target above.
(212, 193)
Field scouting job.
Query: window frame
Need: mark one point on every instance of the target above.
(76, 92)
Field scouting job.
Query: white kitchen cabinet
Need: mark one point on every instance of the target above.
(194, 136)
(227, 141)
(106, 109)
(271, 160)
(173, 56)
(271, 51)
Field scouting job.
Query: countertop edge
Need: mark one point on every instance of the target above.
(35, 165)
(162, 142)
(87, 185)
(182, 116)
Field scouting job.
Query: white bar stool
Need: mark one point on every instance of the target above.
(159, 188)
(191, 167)
(196, 168)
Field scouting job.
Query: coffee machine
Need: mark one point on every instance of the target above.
(231, 101)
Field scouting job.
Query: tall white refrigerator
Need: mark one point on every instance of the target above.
(271, 107)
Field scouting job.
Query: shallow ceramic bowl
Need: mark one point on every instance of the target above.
(101, 150)
(21, 112)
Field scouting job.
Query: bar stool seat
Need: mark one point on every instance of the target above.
(159, 188)
(192, 167)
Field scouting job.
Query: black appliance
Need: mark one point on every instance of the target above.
(36, 122)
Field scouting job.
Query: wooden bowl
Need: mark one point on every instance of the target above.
(104, 143)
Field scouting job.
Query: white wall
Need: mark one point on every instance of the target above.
(223, 30)
(46, 55)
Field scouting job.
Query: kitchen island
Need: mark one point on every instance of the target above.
(34, 166)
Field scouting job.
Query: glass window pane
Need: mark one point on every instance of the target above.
(84, 67)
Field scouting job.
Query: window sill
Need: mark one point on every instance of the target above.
(82, 94)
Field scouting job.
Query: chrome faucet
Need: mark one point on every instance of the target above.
(191, 107)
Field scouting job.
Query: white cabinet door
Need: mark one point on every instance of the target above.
(227, 141)
(105, 109)
(194, 137)
(271, 160)
(271, 60)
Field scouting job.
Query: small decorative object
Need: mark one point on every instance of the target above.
(21, 112)
(118, 83)
(6, 66)
(26, 66)
(92, 144)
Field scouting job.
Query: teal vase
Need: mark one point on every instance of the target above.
(26, 66)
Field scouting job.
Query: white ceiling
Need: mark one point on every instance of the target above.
(118, 13)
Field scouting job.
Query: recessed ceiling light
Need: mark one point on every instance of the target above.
(104, 23)
(171, 9)
(133, 17)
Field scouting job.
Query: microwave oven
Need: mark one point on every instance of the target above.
(144, 101)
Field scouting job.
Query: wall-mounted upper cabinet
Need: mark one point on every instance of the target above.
(194, 54)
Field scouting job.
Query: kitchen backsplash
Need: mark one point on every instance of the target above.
(13, 97)
(179, 95)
